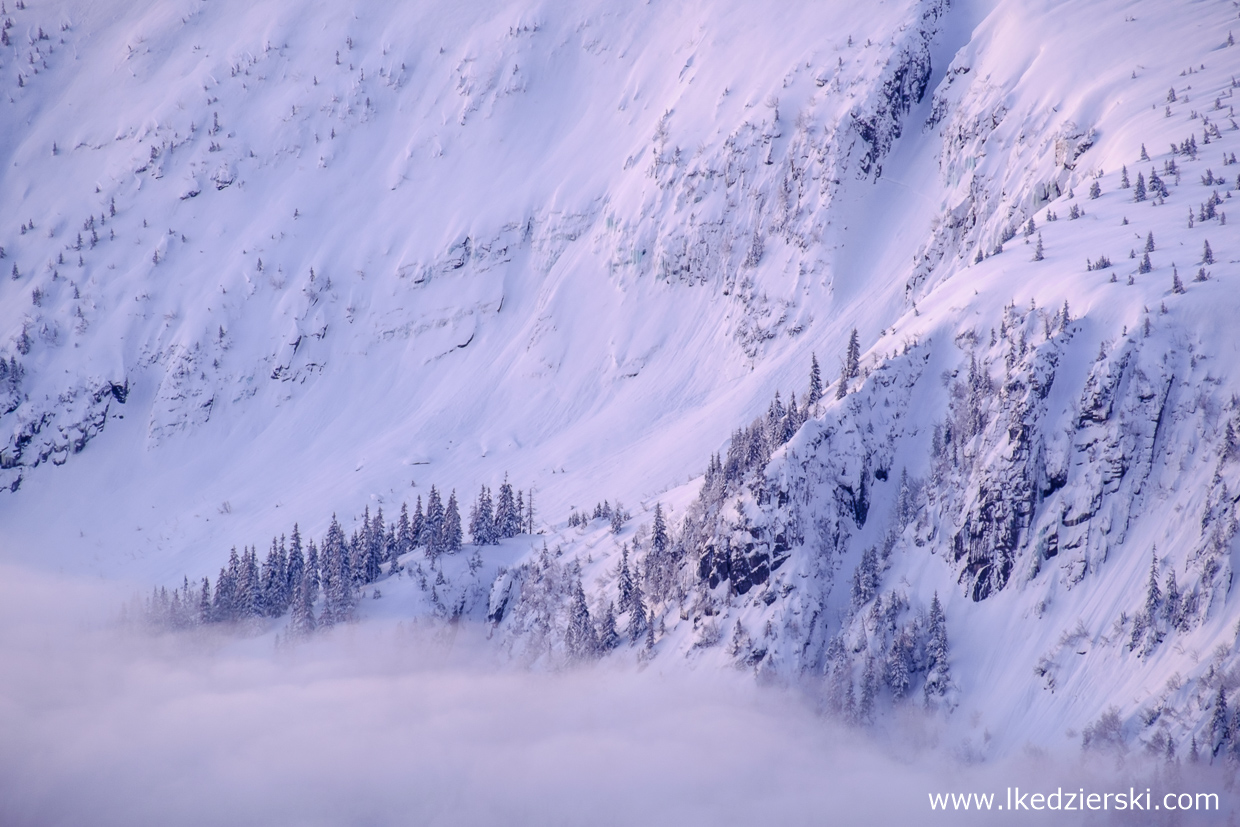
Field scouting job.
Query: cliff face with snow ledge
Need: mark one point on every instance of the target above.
(351, 250)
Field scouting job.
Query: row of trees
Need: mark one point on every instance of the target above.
(615, 515)
(295, 575)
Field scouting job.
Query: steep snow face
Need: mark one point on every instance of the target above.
(1047, 442)
(540, 238)
(356, 250)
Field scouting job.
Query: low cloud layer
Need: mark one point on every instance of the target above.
(383, 726)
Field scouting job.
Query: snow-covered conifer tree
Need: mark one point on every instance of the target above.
(452, 526)
(624, 581)
(579, 637)
(608, 637)
(938, 672)
(815, 382)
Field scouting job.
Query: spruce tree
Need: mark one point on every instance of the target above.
(852, 365)
(432, 528)
(869, 691)
(404, 536)
(618, 518)
(579, 638)
(815, 382)
(301, 618)
(1153, 595)
(938, 673)
(481, 520)
(608, 637)
(659, 542)
(204, 602)
(1220, 725)
(339, 589)
(624, 581)
(1138, 194)
(1037, 252)
(507, 511)
(296, 568)
(1171, 601)
(272, 578)
(1207, 255)
(251, 585)
(451, 526)
(637, 612)
(313, 571)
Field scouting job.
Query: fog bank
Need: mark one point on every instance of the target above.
(414, 725)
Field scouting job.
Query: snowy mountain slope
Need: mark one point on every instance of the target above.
(475, 238)
(582, 246)
(1067, 429)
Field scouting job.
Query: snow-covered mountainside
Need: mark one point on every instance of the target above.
(270, 263)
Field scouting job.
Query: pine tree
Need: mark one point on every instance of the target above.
(251, 588)
(899, 664)
(1220, 725)
(815, 382)
(417, 525)
(865, 578)
(618, 518)
(339, 589)
(1171, 601)
(432, 526)
(637, 612)
(1153, 595)
(482, 521)
(204, 602)
(659, 542)
(301, 617)
(1207, 255)
(1177, 286)
(384, 540)
(452, 526)
(624, 581)
(1037, 252)
(869, 689)
(404, 536)
(223, 609)
(296, 568)
(579, 638)
(314, 569)
(1138, 194)
(608, 637)
(938, 673)
(1095, 190)
(650, 631)
(273, 577)
(507, 514)
(1123, 179)
(1149, 243)
(852, 365)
